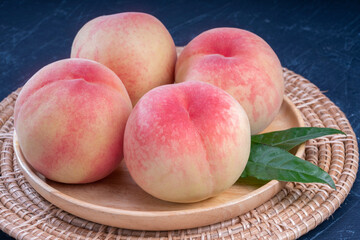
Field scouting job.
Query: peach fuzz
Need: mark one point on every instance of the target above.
(70, 119)
(242, 64)
(136, 46)
(186, 142)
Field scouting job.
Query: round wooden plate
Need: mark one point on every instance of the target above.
(117, 201)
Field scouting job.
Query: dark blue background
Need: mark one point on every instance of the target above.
(318, 39)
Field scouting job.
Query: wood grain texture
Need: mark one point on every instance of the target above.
(117, 200)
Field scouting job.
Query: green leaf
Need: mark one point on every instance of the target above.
(292, 137)
(268, 163)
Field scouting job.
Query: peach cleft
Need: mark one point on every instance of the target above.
(242, 64)
(186, 142)
(70, 119)
(136, 46)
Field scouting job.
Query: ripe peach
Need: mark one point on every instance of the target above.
(242, 64)
(70, 119)
(136, 46)
(186, 142)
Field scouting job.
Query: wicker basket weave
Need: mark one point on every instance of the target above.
(295, 210)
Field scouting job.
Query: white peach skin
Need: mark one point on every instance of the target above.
(70, 119)
(136, 46)
(242, 64)
(186, 142)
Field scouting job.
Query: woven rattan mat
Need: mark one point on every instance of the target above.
(295, 210)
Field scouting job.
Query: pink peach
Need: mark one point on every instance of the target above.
(70, 119)
(136, 46)
(186, 142)
(241, 63)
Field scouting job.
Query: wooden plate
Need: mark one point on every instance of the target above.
(117, 201)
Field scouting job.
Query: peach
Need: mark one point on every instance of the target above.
(70, 119)
(186, 142)
(242, 64)
(136, 46)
